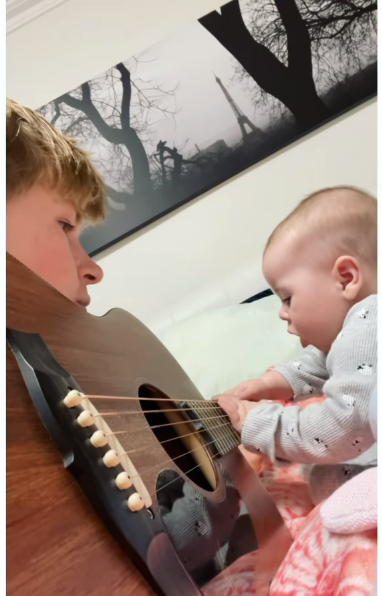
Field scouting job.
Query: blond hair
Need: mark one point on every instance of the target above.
(343, 217)
(38, 153)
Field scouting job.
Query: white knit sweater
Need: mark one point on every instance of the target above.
(337, 429)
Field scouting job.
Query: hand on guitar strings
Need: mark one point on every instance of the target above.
(236, 408)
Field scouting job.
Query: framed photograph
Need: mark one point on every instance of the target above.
(213, 99)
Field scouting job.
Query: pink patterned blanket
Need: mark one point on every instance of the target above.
(319, 563)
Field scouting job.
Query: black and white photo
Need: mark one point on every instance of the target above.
(215, 98)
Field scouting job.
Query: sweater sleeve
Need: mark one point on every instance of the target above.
(306, 374)
(337, 429)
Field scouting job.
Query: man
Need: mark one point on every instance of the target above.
(52, 191)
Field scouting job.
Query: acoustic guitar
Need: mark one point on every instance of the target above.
(121, 479)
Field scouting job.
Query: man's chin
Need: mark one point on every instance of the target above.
(83, 303)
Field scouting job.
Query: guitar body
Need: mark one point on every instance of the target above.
(58, 542)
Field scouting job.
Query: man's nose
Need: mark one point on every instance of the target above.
(90, 271)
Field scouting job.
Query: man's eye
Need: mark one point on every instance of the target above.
(66, 226)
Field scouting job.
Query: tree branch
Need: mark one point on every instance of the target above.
(116, 195)
(85, 105)
(293, 85)
(231, 31)
(126, 95)
(74, 124)
(57, 113)
(298, 39)
(322, 22)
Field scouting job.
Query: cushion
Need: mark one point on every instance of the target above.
(354, 506)
(220, 347)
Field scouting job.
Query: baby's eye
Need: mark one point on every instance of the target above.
(287, 300)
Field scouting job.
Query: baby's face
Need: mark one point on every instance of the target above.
(311, 298)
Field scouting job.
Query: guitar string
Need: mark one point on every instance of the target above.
(160, 411)
(185, 474)
(208, 407)
(149, 428)
(162, 463)
(216, 427)
(182, 475)
(100, 414)
(227, 427)
(204, 406)
(170, 460)
(121, 432)
(219, 426)
(167, 399)
(202, 446)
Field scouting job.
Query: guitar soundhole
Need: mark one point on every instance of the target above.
(188, 452)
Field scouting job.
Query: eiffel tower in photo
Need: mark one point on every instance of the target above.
(241, 118)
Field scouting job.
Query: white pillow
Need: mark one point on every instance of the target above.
(221, 347)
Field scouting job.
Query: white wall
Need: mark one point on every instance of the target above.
(82, 38)
(207, 252)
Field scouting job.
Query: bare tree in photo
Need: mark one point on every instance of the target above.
(276, 49)
(283, 68)
(114, 114)
(163, 155)
(343, 41)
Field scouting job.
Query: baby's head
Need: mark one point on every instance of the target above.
(321, 260)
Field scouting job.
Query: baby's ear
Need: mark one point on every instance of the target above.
(347, 272)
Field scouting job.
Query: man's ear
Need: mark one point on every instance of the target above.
(347, 272)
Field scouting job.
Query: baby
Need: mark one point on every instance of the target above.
(322, 263)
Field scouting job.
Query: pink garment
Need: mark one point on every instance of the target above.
(321, 561)
(353, 507)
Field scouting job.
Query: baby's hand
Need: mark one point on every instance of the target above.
(251, 390)
(237, 409)
(271, 386)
